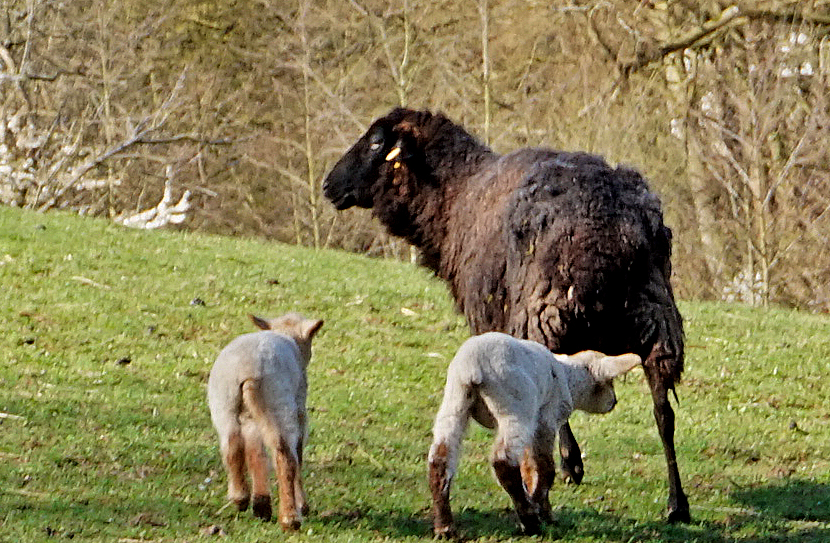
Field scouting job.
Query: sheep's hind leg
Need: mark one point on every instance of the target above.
(572, 469)
(678, 505)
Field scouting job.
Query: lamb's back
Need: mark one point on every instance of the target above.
(515, 370)
(258, 355)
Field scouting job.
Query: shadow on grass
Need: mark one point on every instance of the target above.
(793, 500)
(498, 524)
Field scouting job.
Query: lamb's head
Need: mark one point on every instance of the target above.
(591, 380)
(295, 326)
(379, 160)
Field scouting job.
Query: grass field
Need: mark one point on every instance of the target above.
(109, 334)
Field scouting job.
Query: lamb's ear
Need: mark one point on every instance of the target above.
(610, 367)
(311, 327)
(259, 322)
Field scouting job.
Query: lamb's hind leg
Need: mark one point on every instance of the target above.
(288, 469)
(233, 457)
(448, 432)
(258, 468)
(281, 438)
(440, 479)
(299, 490)
(539, 470)
(507, 454)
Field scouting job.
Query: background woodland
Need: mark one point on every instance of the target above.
(224, 116)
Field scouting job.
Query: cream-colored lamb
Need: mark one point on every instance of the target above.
(257, 395)
(526, 393)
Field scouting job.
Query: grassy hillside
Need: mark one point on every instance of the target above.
(109, 334)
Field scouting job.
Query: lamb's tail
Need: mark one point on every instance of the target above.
(254, 402)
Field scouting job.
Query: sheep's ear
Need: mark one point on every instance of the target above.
(259, 322)
(409, 135)
(311, 327)
(610, 367)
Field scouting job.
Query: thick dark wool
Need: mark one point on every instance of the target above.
(556, 247)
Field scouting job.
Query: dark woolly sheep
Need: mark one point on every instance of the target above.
(550, 246)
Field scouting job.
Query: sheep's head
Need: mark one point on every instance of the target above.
(373, 162)
(592, 387)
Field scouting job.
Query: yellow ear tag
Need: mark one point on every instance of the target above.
(396, 165)
(393, 154)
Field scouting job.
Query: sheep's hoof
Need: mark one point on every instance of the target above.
(679, 516)
(262, 507)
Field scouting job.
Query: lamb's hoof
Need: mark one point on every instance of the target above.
(445, 532)
(262, 507)
(304, 509)
(679, 516)
(572, 473)
(241, 503)
(290, 524)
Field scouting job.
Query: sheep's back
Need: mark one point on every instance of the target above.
(588, 258)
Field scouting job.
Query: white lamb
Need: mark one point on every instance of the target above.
(257, 397)
(525, 392)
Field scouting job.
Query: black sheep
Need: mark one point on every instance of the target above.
(555, 247)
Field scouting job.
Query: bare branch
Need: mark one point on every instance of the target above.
(730, 15)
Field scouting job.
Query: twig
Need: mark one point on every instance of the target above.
(89, 282)
(4, 415)
(227, 504)
(374, 461)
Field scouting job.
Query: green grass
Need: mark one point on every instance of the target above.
(105, 434)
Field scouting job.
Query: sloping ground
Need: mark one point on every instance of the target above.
(109, 333)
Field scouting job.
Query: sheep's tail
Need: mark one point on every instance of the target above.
(661, 334)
